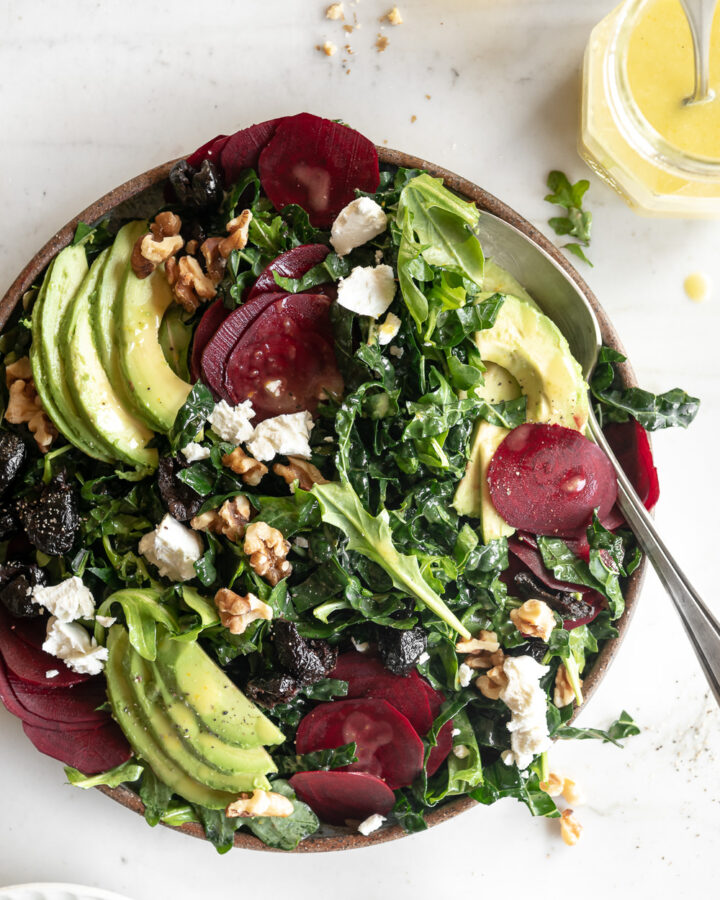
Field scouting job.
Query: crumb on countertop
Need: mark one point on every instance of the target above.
(381, 43)
(393, 16)
(328, 48)
(335, 11)
(413, 118)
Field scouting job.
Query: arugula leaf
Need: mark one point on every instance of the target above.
(191, 416)
(156, 795)
(623, 727)
(331, 269)
(454, 325)
(143, 611)
(127, 772)
(219, 828)
(508, 781)
(577, 222)
(284, 834)
(371, 536)
(95, 238)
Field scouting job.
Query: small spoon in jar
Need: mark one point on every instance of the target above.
(700, 14)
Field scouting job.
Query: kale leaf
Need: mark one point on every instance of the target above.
(577, 222)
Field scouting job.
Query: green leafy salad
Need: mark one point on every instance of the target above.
(300, 526)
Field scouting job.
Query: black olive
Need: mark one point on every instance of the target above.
(13, 454)
(180, 178)
(566, 603)
(51, 520)
(8, 520)
(197, 189)
(400, 650)
(180, 500)
(17, 580)
(269, 692)
(534, 647)
(308, 660)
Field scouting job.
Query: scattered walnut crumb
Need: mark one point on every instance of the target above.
(570, 828)
(349, 49)
(393, 16)
(553, 786)
(335, 11)
(381, 43)
(413, 119)
(328, 48)
(570, 792)
(348, 29)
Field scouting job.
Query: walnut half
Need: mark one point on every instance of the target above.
(534, 619)
(492, 684)
(249, 469)
(237, 612)
(300, 470)
(267, 549)
(24, 404)
(229, 520)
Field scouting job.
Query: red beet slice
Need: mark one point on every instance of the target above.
(211, 320)
(70, 705)
(92, 750)
(359, 670)
(630, 443)
(214, 357)
(317, 164)
(285, 359)
(292, 264)
(387, 744)
(242, 149)
(407, 695)
(548, 479)
(337, 796)
(210, 150)
(29, 662)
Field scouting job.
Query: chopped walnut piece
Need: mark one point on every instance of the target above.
(381, 44)
(485, 660)
(166, 224)
(485, 640)
(214, 262)
(267, 549)
(156, 252)
(570, 828)
(328, 48)
(570, 792)
(191, 248)
(250, 470)
(335, 11)
(230, 519)
(553, 786)
(192, 285)
(393, 16)
(492, 683)
(25, 406)
(300, 470)
(237, 612)
(533, 619)
(238, 230)
(260, 803)
(171, 270)
(563, 693)
(160, 244)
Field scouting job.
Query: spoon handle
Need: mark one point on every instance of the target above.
(699, 14)
(701, 626)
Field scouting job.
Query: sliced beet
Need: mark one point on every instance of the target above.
(292, 264)
(210, 150)
(407, 695)
(242, 149)
(214, 357)
(92, 750)
(64, 706)
(285, 360)
(387, 744)
(548, 479)
(441, 750)
(211, 320)
(338, 796)
(28, 661)
(630, 443)
(317, 164)
(360, 670)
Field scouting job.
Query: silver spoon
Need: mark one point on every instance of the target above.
(699, 14)
(561, 300)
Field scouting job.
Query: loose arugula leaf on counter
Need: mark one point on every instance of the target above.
(577, 222)
(623, 727)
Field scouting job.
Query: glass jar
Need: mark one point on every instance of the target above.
(673, 171)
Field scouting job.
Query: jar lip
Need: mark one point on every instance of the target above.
(632, 123)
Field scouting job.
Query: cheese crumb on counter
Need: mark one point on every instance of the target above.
(359, 222)
(173, 549)
(527, 701)
(67, 601)
(288, 434)
(372, 823)
(232, 423)
(367, 290)
(72, 643)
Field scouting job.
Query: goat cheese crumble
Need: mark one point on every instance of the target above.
(195, 452)
(288, 434)
(232, 423)
(367, 290)
(173, 549)
(358, 223)
(372, 823)
(527, 701)
(72, 643)
(388, 329)
(465, 674)
(67, 601)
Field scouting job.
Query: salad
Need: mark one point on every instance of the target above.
(299, 520)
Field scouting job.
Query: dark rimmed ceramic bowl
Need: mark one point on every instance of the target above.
(143, 194)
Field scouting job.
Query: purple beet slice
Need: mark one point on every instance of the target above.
(242, 149)
(337, 796)
(292, 264)
(407, 694)
(29, 662)
(91, 750)
(211, 320)
(548, 479)
(630, 443)
(210, 150)
(213, 361)
(317, 164)
(64, 706)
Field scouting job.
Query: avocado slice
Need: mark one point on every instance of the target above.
(91, 390)
(156, 391)
(152, 709)
(128, 714)
(175, 337)
(62, 280)
(190, 674)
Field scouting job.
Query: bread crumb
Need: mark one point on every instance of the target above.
(348, 29)
(393, 16)
(428, 96)
(335, 11)
(381, 43)
(328, 48)
(413, 118)
(349, 49)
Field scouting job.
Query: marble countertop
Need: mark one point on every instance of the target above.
(94, 93)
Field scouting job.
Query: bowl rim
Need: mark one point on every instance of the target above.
(485, 201)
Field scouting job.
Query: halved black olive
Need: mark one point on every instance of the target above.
(399, 649)
(269, 692)
(180, 500)
(13, 454)
(51, 520)
(534, 647)
(566, 603)
(17, 580)
(197, 188)
(308, 660)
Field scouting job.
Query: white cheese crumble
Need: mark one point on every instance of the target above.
(288, 434)
(232, 423)
(461, 751)
(367, 290)
(195, 452)
(397, 352)
(173, 548)
(423, 658)
(528, 704)
(360, 646)
(358, 223)
(106, 621)
(465, 674)
(372, 823)
(389, 328)
(67, 601)
(455, 732)
(302, 542)
(72, 643)
(52, 673)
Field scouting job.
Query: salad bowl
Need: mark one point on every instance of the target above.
(143, 194)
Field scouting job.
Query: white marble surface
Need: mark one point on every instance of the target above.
(92, 93)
